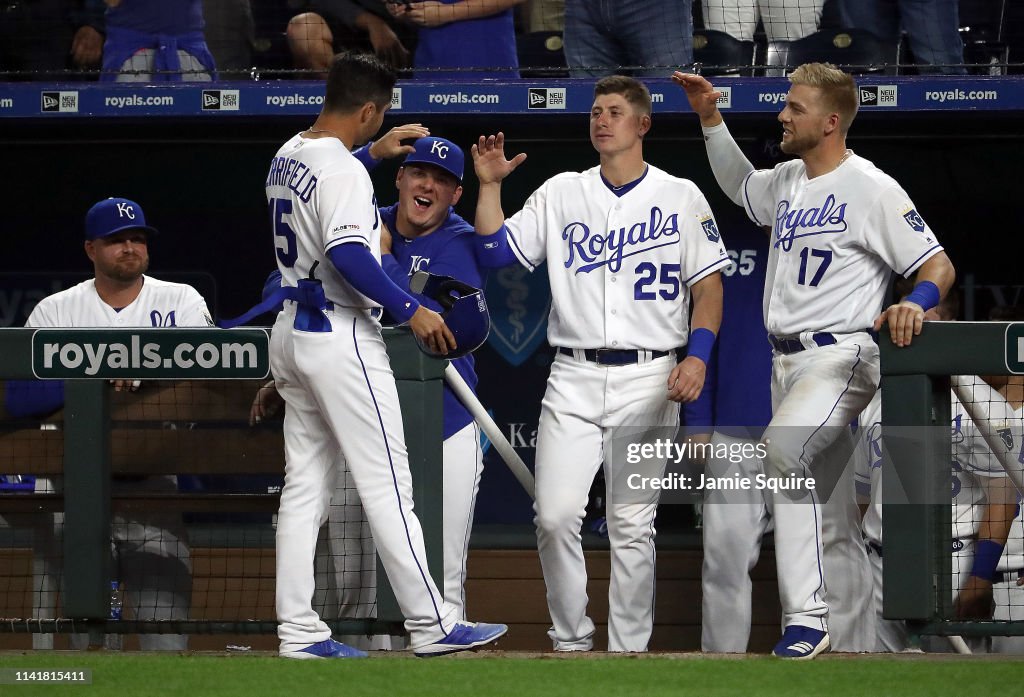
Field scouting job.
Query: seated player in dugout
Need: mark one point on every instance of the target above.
(151, 554)
(427, 235)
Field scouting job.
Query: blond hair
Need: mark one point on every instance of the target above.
(838, 90)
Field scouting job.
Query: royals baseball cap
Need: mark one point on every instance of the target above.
(440, 153)
(113, 215)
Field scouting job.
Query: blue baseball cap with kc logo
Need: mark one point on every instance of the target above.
(438, 152)
(113, 215)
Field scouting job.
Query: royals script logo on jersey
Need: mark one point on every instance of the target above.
(793, 223)
(591, 250)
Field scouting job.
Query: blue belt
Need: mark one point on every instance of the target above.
(783, 345)
(606, 356)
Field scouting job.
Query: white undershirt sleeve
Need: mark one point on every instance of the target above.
(728, 162)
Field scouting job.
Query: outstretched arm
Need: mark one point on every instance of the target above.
(728, 162)
(491, 168)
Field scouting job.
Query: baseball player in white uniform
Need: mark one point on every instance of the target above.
(626, 246)
(989, 579)
(838, 228)
(330, 366)
(151, 551)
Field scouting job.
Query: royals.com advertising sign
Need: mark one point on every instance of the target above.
(148, 354)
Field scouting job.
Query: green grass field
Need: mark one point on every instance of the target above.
(496, 674)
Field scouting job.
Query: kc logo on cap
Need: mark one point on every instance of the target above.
(113, 215)
(440, 153)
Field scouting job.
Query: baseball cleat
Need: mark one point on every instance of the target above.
(328, 648)
(464, 636)
(801, 643)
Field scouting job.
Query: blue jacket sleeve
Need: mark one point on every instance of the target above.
(362, 271)
(493, 251)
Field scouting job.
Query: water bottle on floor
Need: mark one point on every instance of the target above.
(113, 641)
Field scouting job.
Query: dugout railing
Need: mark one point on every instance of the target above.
(90, 443)
(916, 470)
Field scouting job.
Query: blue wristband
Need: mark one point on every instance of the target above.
(926, 294)
(702, 340)
(986, 559)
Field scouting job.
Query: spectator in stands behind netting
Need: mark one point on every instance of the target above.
(330, 26)
(783, 20)
(931, 26)
(602, 36)
(544, 15)
(156, 41)
(40, 39)
(462, 39)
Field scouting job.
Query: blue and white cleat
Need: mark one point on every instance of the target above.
(801, 643)
(328, 648)
(463, 637)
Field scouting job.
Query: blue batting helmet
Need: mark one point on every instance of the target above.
(463, 308)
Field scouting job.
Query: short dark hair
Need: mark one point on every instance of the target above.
(634, 91)
(355, 79)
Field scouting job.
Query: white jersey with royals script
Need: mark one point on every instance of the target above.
(1013, 554)
(320, 196)
(834, 240)
(159, 304)
(973, 462)
(620, 268)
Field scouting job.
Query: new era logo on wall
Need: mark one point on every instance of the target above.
(878, 95)
(220, 100)
(546, 98)
(59, 102)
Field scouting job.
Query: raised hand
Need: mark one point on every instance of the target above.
(703, 97)
(489, 159)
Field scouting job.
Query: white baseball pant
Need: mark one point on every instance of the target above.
(1009, 598)
(588, 411)
(816, 394)
(463, 465)
(340, 394)
(891, 636)
(734, 523)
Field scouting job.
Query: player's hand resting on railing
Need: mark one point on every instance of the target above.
(905, 320)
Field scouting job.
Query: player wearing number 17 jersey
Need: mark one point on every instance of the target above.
(626, 246)
(838, 227)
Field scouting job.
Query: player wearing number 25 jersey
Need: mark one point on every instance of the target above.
(837, 228)
(626, 246)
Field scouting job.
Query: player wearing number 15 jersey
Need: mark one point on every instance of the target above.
(626, 246)
(838, 227)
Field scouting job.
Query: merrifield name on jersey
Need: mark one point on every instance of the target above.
(286, 171)
(828, 219)
(643, 236)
